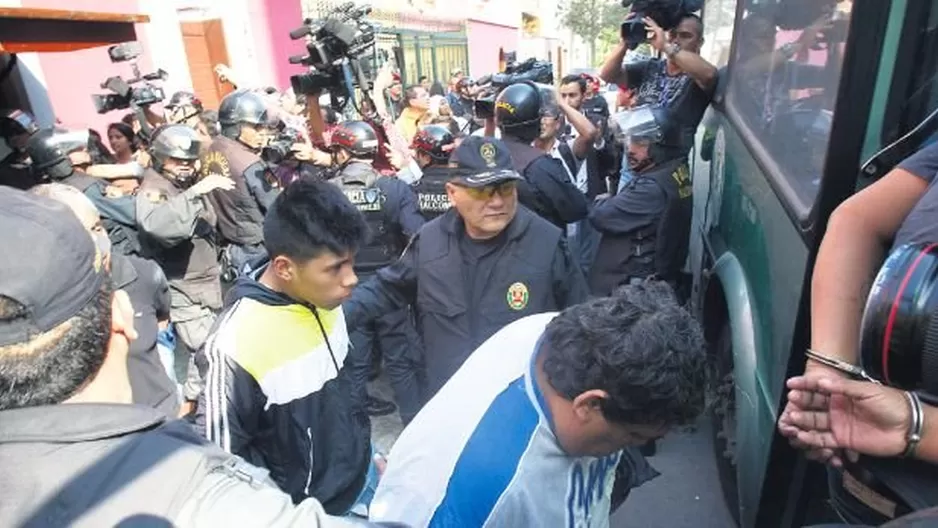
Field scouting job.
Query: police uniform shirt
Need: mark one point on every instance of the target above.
(495, 462)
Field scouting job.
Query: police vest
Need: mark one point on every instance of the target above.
(385, 244)
(191, 267)
(432, 200)
(659, 249)
(240, 220)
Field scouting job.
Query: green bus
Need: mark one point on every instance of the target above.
(804, 100)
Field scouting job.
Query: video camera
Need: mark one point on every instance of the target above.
(533, 70)
(125, 95)
(280, 148)
(666, 13)
(335, 45)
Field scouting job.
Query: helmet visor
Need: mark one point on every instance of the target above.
(637, 123)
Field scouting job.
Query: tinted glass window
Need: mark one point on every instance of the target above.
(785, 77)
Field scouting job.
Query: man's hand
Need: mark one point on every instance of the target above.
(801, 405)
(837, 413)
(211, 183)
(658, 38)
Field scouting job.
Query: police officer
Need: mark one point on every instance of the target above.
(48, 150)
(432, 147)
(245, 129)
(392, 216)
(186, 108)
(481, 265)
(646, 228)
(15, 128)
(546, 190)
(177, 225)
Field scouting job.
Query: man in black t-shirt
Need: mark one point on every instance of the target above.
(683, 82)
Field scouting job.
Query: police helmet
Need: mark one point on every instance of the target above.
(899, 328)
(48, 149)
(242, 107)
(357, 137)
(434, 141)
(656, 126)
(518, 109)
(175, 141)
(184, 98)
(17, 122)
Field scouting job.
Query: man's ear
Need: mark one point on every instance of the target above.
(587, 406)
(283, 267)
(122, 315)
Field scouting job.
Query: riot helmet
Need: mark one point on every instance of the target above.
(518, 110)
(16, 126)
(358, 138)
(175, 151)
(652, 137)
(48, 149)
(436, 142)
(899, 328)
(183, 106)
(241, 108)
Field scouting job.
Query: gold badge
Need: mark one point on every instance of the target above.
(488, 153)
(215, 163)
(517, 296)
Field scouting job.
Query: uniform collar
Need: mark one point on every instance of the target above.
(76, 422)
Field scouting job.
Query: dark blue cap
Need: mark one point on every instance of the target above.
(482, 162)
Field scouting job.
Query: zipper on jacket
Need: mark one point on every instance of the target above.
(309, 476)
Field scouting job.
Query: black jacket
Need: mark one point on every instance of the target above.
(277, 394)
(547, 189)
(461, 300)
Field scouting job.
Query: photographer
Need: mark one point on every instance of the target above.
(546, 189)
(245, 130)
(683, 82)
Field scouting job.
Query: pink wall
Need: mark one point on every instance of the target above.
(71, 77)
(485, 40)
(285, 17)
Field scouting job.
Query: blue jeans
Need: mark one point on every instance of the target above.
(363, 502)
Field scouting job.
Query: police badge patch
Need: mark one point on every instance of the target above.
(517, 296)
(215, 163)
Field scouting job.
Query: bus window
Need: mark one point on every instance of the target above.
(784, 82)
(718, 18)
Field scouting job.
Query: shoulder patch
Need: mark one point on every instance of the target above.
(154, 196)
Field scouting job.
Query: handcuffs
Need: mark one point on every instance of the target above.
(916, 426)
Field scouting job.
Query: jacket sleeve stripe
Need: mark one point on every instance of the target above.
(216, 385)
(482, 476)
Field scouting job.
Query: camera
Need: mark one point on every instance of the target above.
(666, 13)
(123, 93)
(541, 72)
(280, 148)
(335, 45)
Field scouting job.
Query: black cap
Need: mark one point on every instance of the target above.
(483, 161)
(66, 273)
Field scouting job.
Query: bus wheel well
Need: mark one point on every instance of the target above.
(715, 312)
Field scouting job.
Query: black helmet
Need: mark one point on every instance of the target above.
(175, 141)
(242, 107)
(357, 137)
(518, 110)
(16, 122)
(899, 329)
(657, 126)
(184, 98)
(432, 140)
(48, 149)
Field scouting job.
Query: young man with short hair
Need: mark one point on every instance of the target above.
(277, 391)
(530, 430)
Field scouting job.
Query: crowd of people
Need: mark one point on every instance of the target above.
(523, 301)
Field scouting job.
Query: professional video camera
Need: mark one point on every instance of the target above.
(280, 148)
(334, 47)
(125, 95)
(666, 13)
(533, 70)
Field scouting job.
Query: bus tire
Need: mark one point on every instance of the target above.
(723, 417)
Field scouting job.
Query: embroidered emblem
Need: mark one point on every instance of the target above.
(517, 296)
(487, 151)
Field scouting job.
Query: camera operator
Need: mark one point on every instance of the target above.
(391, 213)
(546, 189)
(683, 82)
(897, 209)
(178, 230)
(49, 150)
(245, 130)
(15, 128)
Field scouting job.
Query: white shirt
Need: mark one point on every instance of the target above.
(482, 452)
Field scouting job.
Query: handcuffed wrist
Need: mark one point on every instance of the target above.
(916, 424)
